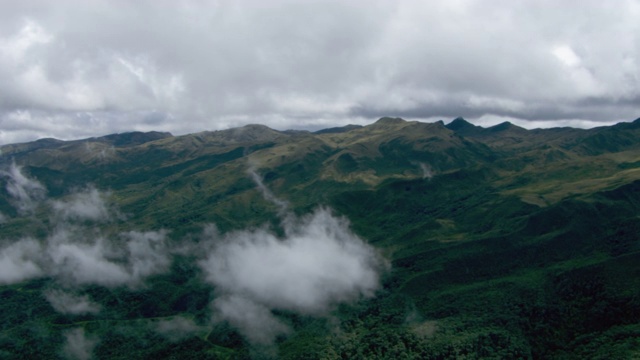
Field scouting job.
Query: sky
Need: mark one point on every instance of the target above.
(74, 69)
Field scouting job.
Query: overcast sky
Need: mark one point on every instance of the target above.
(73, 69)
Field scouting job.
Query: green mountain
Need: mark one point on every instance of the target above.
(499, 242)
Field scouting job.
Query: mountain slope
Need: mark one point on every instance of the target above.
(502, 242)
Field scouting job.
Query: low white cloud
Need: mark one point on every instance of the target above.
(85, 205)
(98, 261)
(76, 252)
(147, 253)
(427, 171)
(254, 320)
(104, 263)
(69, 303)
(319, 263)
(86, 264)
(20, 261)
(78, 346)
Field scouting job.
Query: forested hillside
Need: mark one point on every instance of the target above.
(396, 240)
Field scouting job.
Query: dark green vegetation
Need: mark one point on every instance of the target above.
(504, 243)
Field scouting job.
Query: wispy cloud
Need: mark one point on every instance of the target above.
(253, 319)
(427, 173)
(78, 346)
(268, 195)
(26, 193)
(68, 303)
(85, 205)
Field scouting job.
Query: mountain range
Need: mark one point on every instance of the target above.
(496, 242)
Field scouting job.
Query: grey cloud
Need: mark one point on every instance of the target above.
(69, 303)
(598, 110)
(214, 64)
(78, 346)
(24, 125)
(427, 171)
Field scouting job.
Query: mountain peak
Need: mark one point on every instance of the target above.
(133, 138)
(460, 123)
(250, 132)
(340, 129)
(462, 127)
(504, 126)
(389, 121)
(629, 125)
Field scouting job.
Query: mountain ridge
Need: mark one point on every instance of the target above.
(458, 124)
(346, 156)
(499, 242)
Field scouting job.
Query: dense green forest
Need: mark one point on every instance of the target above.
(396, 240)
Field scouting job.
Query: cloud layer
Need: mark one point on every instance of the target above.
(220, 64)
